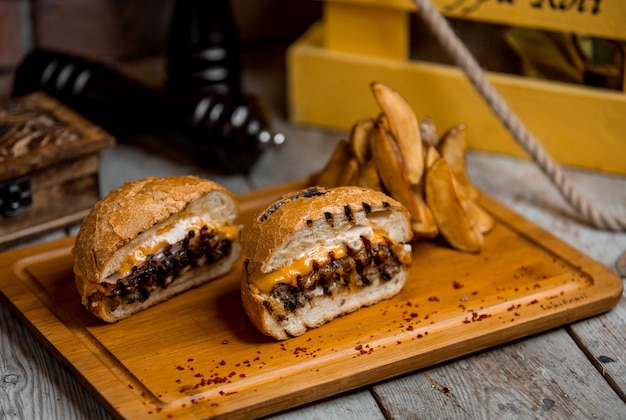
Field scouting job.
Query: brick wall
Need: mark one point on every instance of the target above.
(121, 29)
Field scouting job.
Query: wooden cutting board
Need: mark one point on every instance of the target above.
(198, 355)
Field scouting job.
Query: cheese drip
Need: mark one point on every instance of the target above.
(321, 255)
(170, 235)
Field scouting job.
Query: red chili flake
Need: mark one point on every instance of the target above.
(130, 386)
(359, 347)
(419, 336)
(178, 381)
(457, 285)
(214, 404)
(223, 362)
(190, 360)
(466, 321)
(409, 328)
(256, 359)
(242, 375)
(538, 286)
(399, 342)
(180, 367)
(222, 393)
(532, 302)
(510, 308)
(433, 299)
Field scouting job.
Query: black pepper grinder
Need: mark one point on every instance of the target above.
(203, 61)
(225, 132)
(203, 49)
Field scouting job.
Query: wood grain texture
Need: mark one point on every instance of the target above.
(355, 405)
(604, 339)
(201, 357)
(34, 383)
(526, 379)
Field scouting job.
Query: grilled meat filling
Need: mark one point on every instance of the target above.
(166, 265)
(357, 269)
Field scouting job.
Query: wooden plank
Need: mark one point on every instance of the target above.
(377, 31)
(198, 355)
(34, 383)
(603, 18)
(603, 341)
(356, 405)
(578, 126)
(537, 377)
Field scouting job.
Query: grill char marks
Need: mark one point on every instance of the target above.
(359, 268)
(348, 213)
(329, 218)
(159, 270)
(308, 193)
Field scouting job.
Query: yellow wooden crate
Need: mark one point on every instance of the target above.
(330, 68)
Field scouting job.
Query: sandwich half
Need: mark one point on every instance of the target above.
(319, 253)
(151, 239)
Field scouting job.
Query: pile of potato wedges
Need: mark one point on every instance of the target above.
(396, 153)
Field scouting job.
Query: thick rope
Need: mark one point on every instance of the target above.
(463, 58)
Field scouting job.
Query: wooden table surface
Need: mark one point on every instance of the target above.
(576, 371)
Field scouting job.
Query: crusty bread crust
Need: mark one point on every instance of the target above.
(131, 209)
(139, 209)
(298, 223)
(284, 229)
(109, 311)
(320, 310)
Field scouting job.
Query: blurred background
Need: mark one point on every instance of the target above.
(132, 32)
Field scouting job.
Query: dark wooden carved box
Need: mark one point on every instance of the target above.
(49, 161)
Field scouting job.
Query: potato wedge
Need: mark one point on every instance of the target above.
(428, 131)
(483, 220)
(359, 139)
(430, 156)
(404, 127)
(368, 176)
(331, 174)
(454, 223)
(453, 148)
(395, 182)
(350, 172)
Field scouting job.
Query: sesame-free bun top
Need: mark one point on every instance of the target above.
(295, 223)
(134, 208)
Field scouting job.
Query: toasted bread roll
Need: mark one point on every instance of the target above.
(151, 239)
(319, 253)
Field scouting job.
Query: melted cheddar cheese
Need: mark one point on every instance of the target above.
(288, 274)
(169, 235)
(303, 264)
